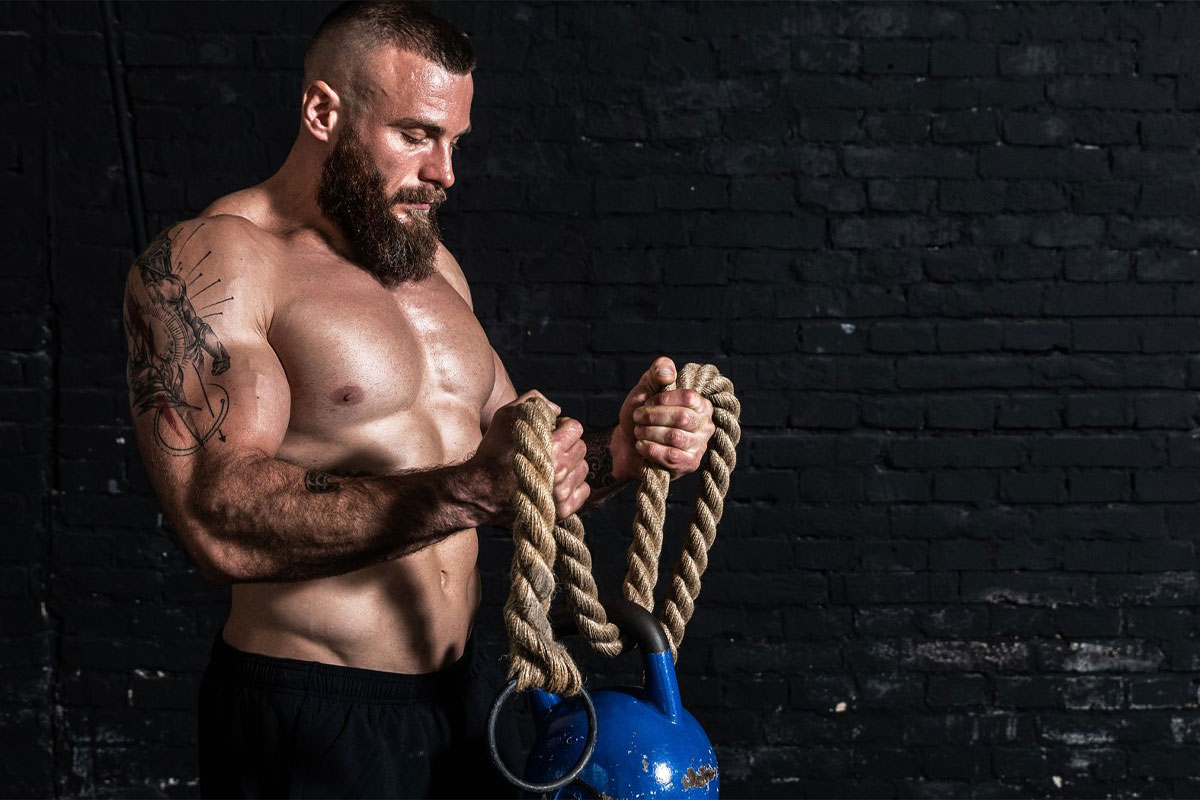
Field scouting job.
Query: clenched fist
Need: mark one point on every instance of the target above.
(668, 429)
(567, 451)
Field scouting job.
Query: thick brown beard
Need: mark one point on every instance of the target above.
(352, 196)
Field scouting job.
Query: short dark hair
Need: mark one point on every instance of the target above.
(411, 26)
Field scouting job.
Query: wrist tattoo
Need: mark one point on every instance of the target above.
(325, 481)
(599, 457)
(319, 482)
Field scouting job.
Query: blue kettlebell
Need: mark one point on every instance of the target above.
(646, 743)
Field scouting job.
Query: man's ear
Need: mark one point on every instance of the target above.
(320, 110)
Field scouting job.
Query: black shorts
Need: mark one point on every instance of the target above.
(277, 727)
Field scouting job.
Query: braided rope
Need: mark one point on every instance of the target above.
(679, 604)
(575, 571)
(536, 658)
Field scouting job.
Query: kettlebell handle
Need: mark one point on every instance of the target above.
(631, 618)
(661, 684)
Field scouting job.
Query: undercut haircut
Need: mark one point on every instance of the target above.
(354, 29)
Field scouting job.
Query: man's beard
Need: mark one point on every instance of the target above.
(352, 196)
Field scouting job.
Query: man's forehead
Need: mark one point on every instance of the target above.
(406, 84)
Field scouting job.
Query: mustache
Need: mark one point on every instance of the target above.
(433, 195)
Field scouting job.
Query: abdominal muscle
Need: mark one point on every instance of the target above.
(410, 615)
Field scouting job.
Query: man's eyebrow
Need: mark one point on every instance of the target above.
(432, 128)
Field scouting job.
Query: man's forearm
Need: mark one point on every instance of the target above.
(603, 483)
(262, 519)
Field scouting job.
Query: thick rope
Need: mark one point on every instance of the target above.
(575, 571)
(536, 658)
(679, 604)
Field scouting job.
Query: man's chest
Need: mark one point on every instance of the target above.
(355, 354)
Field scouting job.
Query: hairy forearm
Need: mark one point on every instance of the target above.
(262, 519)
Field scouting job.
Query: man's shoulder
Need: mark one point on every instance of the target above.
(219, 243)
(447, 266)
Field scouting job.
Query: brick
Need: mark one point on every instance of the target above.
(1033, 487)
(1167, 266)
(1092, 486)
(960, 451)
(961, 413)
(971, 196)
(1099, 411)
(1036, 336)
(902, 337)
(1025, 196)
(1101, 265)
(899, 413)
(1037, 129)
(1166, 411)
(900, 195)
(964, 487)
(1027, 60)
(891, 58)
(1165, 487)
(1097, 451)
(975, 127)
(962, 59)
(965, 337)
(896, 128)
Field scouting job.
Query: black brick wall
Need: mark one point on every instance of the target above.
(945, 251)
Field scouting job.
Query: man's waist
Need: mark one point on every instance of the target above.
(334, 681)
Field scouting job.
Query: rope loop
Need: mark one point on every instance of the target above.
(544, 547)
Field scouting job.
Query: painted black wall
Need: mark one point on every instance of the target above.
(946, 252)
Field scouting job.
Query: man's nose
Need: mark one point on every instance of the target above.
(439, 167)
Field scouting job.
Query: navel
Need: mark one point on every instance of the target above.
(347, 396)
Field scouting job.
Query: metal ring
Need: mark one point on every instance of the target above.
(589, 746)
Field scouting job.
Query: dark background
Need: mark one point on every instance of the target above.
(946, 252)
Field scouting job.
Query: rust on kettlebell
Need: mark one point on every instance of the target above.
(695, 779)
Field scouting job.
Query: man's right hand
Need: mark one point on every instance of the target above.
(495, 455)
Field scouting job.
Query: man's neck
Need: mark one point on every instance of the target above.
(292, 195)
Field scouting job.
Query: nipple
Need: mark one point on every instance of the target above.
(347, 396)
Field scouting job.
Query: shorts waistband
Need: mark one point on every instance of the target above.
(336, 682)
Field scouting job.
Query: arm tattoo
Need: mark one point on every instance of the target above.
(173, 353)
(325, 481)
(319, 482)
(599, 457)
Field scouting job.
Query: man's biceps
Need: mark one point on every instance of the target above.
(184, 412)
(260, 403)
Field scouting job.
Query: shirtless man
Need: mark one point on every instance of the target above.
(326, 425)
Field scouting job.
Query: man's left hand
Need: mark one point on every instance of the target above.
(668, 429)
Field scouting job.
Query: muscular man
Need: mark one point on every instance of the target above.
(326, 425)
